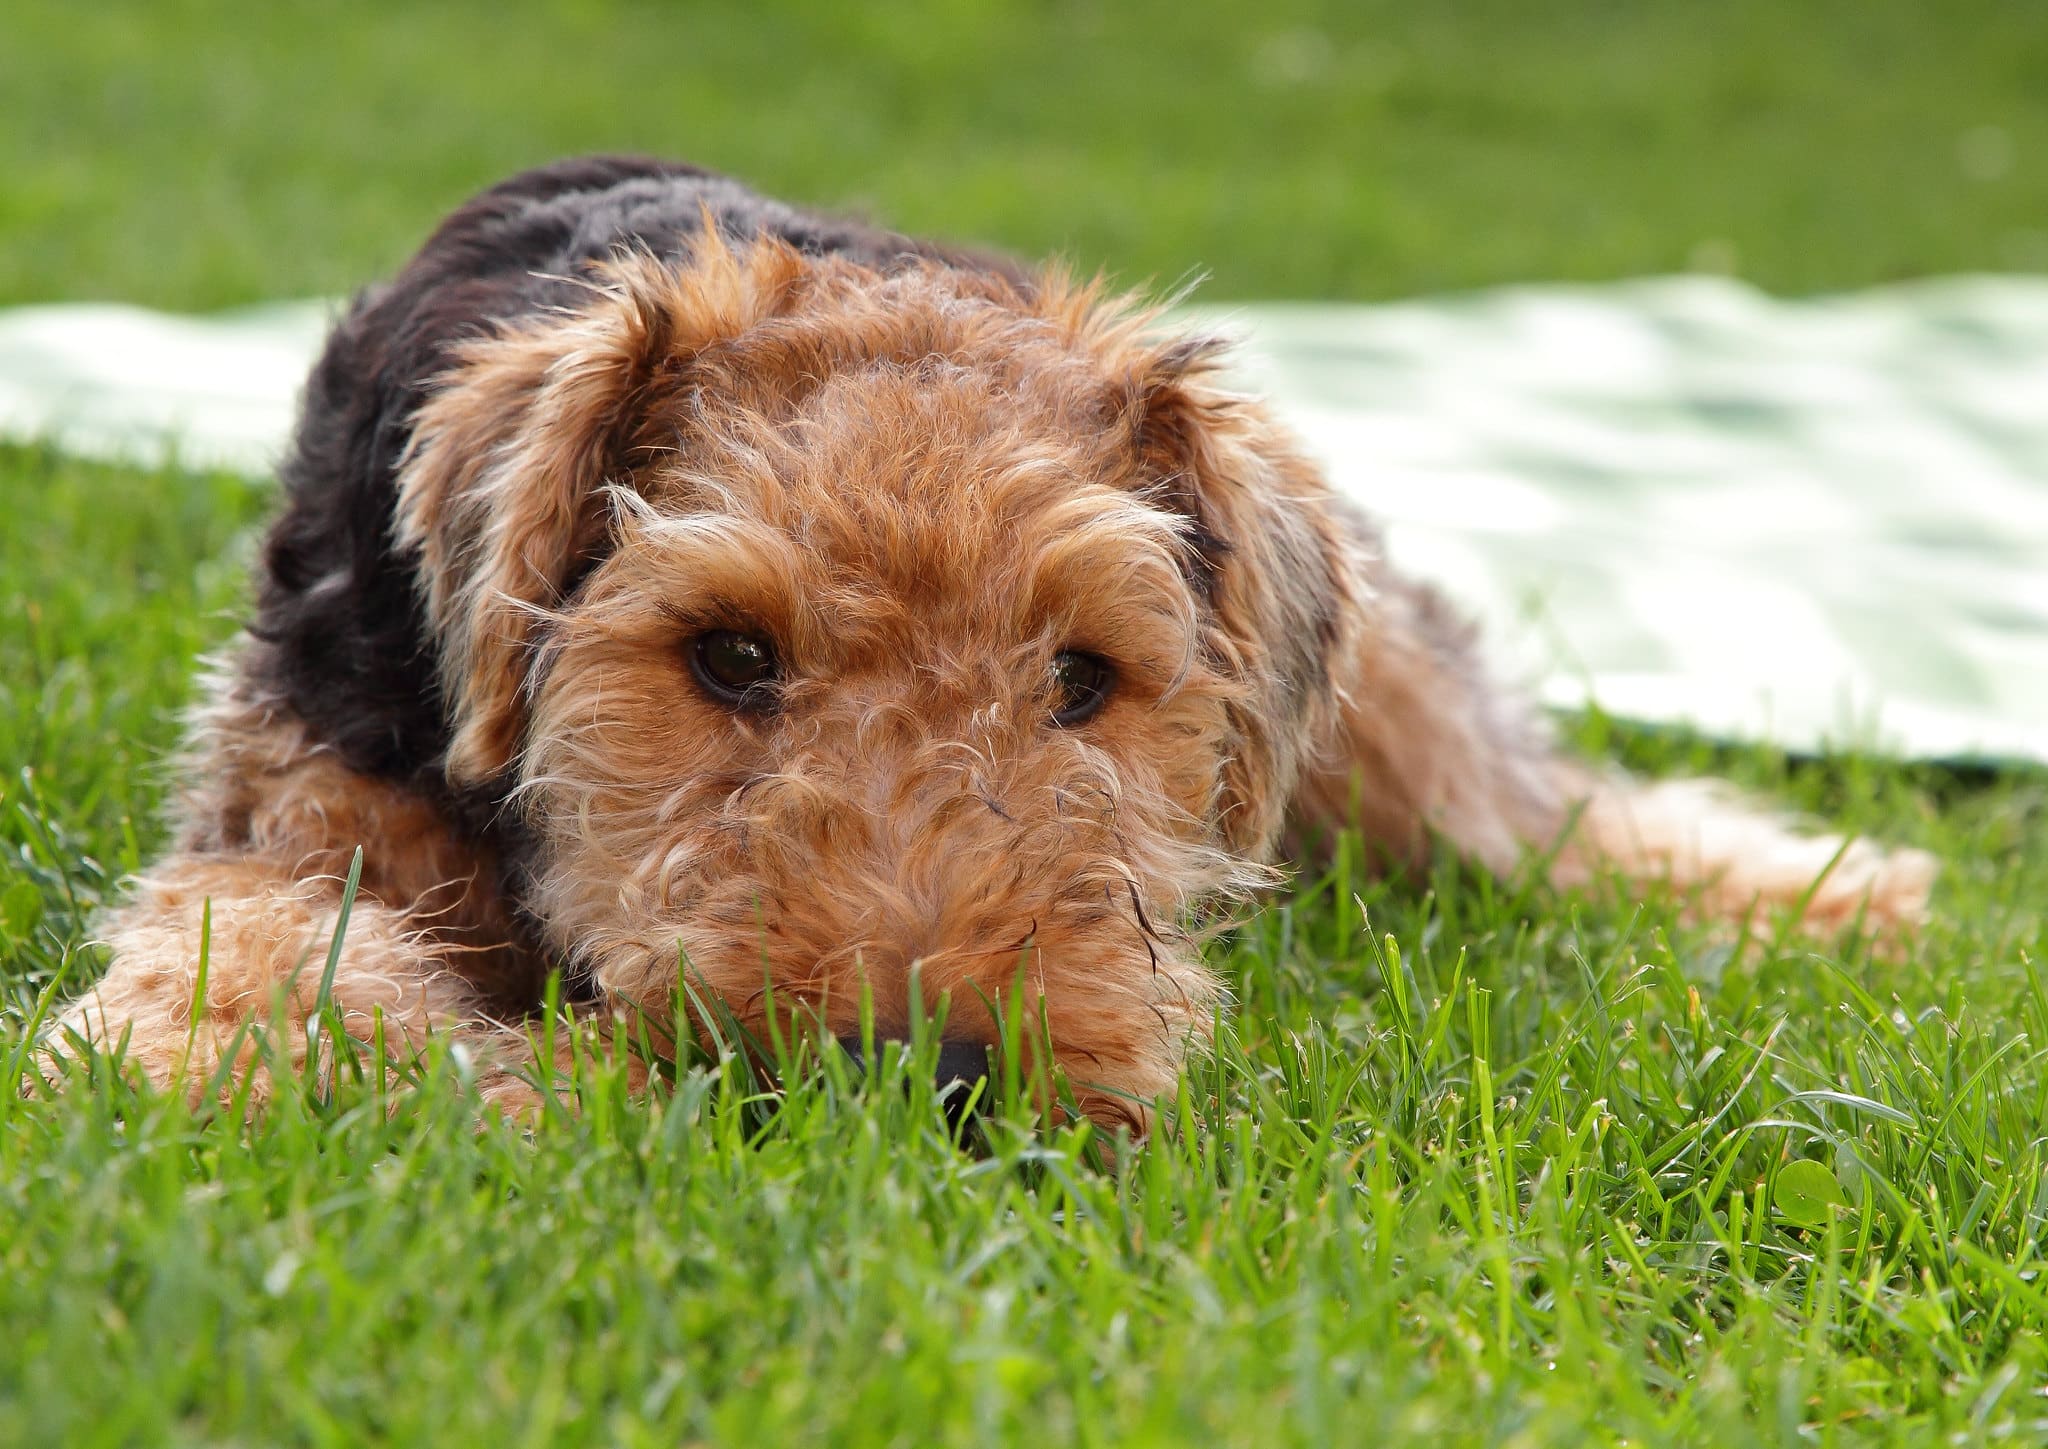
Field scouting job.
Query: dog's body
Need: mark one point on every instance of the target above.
(667, 575)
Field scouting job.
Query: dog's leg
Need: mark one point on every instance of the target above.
(270, 820)
(263, 937)
(266, 939)
(1423, 741)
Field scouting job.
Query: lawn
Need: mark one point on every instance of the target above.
(1478, 1161)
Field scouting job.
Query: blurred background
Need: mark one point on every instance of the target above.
(191, 156)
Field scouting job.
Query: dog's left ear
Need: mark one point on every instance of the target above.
(501, 491)
(1266, 551)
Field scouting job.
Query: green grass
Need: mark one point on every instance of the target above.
(1481, 1161)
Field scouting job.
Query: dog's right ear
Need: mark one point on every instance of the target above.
(500, 492)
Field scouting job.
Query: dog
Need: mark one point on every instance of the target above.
(675, 587)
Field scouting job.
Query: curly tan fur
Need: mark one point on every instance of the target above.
(921, 480)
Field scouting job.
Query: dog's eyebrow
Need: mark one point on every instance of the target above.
(707, 569)
(1116, 564)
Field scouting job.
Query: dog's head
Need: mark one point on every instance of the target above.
(828, 624)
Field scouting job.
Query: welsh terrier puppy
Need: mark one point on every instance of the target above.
(672, 585)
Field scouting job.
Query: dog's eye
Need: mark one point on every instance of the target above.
(735, 669)
(1080, 684)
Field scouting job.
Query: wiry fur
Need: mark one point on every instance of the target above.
(614, 404)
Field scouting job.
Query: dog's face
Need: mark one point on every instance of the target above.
(830, 627)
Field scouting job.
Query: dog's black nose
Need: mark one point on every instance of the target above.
(962, 1065)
